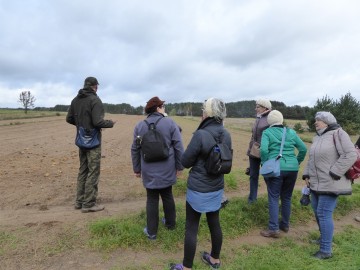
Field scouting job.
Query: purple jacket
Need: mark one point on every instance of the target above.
(259, 126)
(161, 174)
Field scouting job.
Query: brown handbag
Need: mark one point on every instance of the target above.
(255, 150)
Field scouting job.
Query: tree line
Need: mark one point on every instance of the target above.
(346, 110)
(239, 109)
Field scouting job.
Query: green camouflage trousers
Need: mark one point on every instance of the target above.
(88, 177)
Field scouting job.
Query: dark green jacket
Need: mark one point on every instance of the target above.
(270, 147)
(86, 110)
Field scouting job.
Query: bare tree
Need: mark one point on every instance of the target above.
(27, 100)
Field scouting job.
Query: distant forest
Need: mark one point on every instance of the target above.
(239, 109)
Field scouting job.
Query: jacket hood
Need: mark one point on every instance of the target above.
(85, 92)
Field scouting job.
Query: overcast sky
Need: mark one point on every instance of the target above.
(182, 51)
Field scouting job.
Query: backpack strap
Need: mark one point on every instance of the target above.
(153, 125)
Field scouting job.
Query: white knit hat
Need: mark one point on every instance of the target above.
(264, 103)
(326, 117)
(275, 118)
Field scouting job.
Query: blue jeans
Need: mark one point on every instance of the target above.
(324, 206)
(280, 188)
(254, 178)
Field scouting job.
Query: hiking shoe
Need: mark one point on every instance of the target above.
(357, 218)
(284, 229)
(95, 208)
(150, 236)
(77, 206)
(206, 259)
(322, 255)
(174, 266)
(270, 233)
(163, 221)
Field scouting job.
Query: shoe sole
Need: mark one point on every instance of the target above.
(90, 211)
(270, 235)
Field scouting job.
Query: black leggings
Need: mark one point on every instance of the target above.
(191, 231)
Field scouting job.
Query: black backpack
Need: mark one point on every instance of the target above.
(153, 145)
(219, 159)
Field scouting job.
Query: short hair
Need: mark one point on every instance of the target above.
(214, 107)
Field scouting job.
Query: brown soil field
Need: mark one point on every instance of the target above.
(39, 165)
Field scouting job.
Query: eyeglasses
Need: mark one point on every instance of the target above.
(259, 106)
(162, 106)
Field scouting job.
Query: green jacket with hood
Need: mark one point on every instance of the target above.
(86, 110)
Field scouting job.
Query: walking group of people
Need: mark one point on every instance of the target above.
(331, 155)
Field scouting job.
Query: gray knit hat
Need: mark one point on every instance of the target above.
(275, 118)
(326, 117)
(264, 103)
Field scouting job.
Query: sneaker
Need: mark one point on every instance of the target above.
(270, 233)
(206, 259)
(150, 236)
(322, 255)
(174, 266)
(95, 208)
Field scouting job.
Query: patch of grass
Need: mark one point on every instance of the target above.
(286, 254)
(237, 219)
(10, 114)
(7, 242)
(65, 241)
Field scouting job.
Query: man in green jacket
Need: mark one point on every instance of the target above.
(87, 112)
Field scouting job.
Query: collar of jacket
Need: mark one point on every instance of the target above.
(155, 114)
(330, 127)
(208, 121)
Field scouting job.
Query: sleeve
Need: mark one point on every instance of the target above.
(70, 115)
(346, 150)
(192, 151)
(177, 143)
(97, 114)
(301, 147)
(264, 147)
(135, 153)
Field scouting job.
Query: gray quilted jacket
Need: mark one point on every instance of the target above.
(332, 151)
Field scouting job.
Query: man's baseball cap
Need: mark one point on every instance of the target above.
(91, 81)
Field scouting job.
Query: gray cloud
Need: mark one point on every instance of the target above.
(179, 50)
